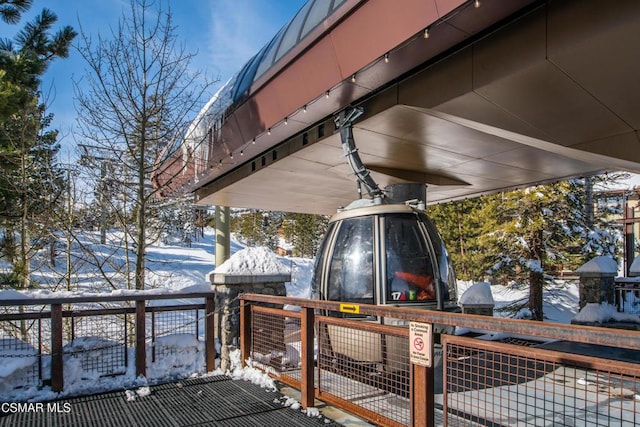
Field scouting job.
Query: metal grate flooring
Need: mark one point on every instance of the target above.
(210, 401)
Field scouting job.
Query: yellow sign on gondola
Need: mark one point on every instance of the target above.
(350, 308)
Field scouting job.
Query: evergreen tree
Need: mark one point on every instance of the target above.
(460, 225)
(11, 10)
(305, 231)
(258, 228)
(524, 235)
(32, 183)
(531, 231)
(602, 234)
(30, 179)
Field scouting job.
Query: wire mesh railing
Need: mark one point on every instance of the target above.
(174, 330)
(99, 336)
(21, 358)
(270, 349)
(365, 365)
(502, 384)
(536, 374)
(362, 366)
(98, 343)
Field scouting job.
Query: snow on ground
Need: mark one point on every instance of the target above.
(599, 313)
(177, 268)
(560, 302)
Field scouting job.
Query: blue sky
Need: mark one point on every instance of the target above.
(224, 33)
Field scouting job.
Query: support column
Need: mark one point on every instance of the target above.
(223, 239)
(223, 252)
(229, 315)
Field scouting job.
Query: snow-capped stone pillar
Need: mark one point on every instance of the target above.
(478, 299)
(251, 270)
(227, 288)
(597, 278)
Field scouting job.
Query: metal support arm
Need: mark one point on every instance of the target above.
(344, 123)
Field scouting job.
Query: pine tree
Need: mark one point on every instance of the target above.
(602, 234)
(460, 225)
(34, 184)
(257, 227)
(30, 179)
(11, 10)
(305, 231)
(533, 228)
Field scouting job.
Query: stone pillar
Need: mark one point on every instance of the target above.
(480, 309)
(597, 279)
(227, 288)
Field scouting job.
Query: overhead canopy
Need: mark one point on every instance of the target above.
(494, 99)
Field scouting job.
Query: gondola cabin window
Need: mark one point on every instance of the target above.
(351, 273)
(409, 267)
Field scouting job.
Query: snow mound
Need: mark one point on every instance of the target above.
(599, 264)
(601, 313)
(202, 287)
(176, 356)
(16, 356)
(253, 261)
(478, 293)
(635, 266)
(9, 294)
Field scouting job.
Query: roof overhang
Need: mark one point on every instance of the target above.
(551, 94)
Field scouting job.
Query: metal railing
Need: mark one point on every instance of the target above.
(365, 366)
(500, 384)
(531, 376)
(98, 334)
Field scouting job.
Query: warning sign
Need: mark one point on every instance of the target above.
(420, 343)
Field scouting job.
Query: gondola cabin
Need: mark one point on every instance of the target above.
(384, 254)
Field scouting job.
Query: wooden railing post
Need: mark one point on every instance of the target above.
(209, 333)
(307, 391)
(141, 346)
(57, 364)
(422, 405)
(245, 330)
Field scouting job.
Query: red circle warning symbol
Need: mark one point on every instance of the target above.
(418, 343)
